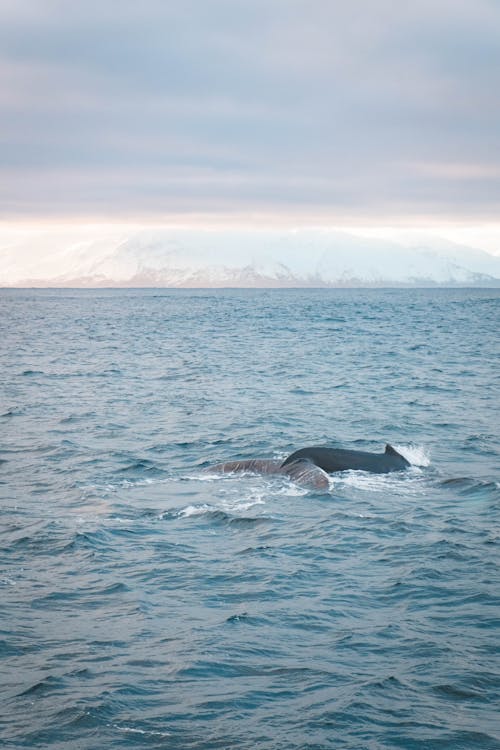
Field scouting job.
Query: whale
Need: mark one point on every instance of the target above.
(332, 460)
(311, 467)
(302, 471)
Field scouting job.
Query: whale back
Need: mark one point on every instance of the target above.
(307, 474)
(249, 466)
(341, 459)
(303, 472)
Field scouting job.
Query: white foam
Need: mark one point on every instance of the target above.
(208, 476)
(417, 455)
(236, 505)
(133, 730)
(291, 490)
(364, 481)
(196, 510)
(410, 482)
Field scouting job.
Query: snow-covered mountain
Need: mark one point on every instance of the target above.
(254, 258)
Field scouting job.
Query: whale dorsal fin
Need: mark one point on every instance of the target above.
(390, 451)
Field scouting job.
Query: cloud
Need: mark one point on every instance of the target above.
(314, 108)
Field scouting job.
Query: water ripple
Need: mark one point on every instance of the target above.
(146, 603)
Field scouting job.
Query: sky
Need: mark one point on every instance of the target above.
(376, 115)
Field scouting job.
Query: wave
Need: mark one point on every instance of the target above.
(470, 487)
(217, 515)
(227, 507)
(143, 732)
(143, 466)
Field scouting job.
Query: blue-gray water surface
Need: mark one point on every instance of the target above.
(146, 603)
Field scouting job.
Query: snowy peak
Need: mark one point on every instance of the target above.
(257, 258)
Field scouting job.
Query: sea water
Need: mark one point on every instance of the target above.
(146, 603)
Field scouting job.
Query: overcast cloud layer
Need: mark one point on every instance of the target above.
(319, 109)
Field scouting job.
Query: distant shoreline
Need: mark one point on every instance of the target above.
(494, 284)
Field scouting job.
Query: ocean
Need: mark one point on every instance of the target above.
(146, 603)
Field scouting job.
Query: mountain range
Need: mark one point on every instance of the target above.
(236, 258)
